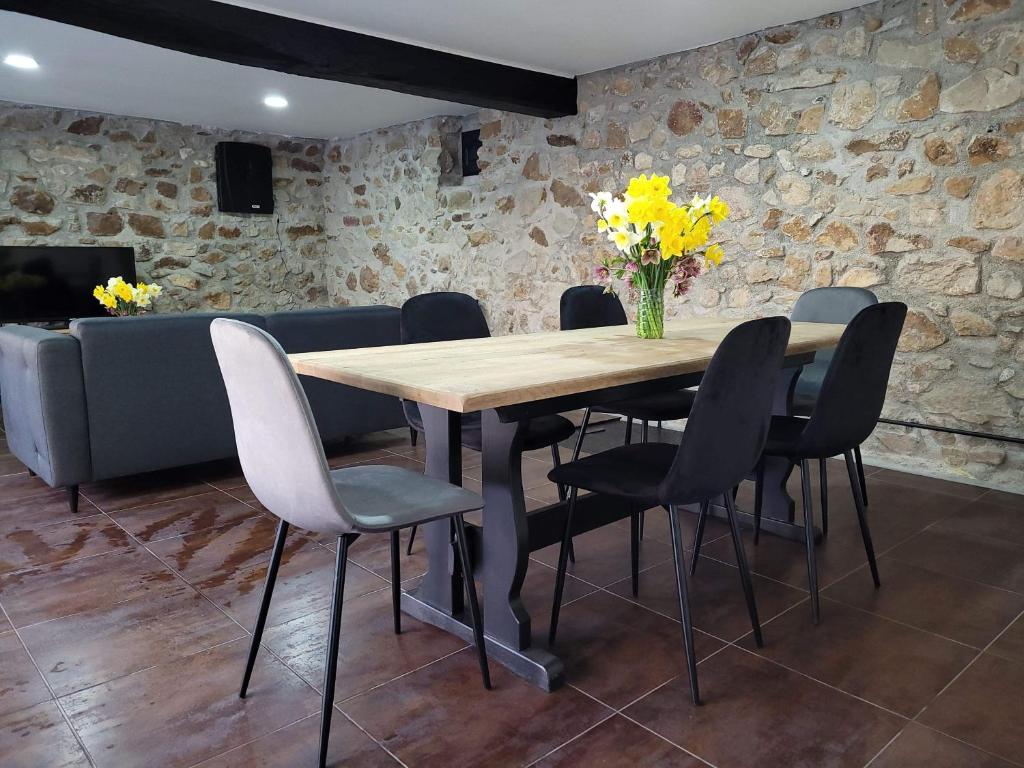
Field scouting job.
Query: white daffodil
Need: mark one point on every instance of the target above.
(616, 215)
(599, 200)
(623, 239)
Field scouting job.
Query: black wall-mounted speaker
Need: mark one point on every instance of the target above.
(245, 180)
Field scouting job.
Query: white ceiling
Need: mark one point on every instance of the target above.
(565, 37)
(81, 69)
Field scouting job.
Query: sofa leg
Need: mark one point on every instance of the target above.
(31, 473)
(73, 498)
(413, 434)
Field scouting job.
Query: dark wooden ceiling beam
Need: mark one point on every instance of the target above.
(257, 39)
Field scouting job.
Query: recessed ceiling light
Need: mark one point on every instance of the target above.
(276, 102)
(21, 61)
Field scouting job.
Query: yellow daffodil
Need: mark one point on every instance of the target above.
(718, 209)
(713, 255)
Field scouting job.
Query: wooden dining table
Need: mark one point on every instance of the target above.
(509, 379)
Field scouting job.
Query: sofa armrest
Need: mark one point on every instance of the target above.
(44, 403)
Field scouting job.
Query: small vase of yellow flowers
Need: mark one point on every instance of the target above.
(658, 241)
(121, 298)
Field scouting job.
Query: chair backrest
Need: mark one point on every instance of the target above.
(278, 445)
(828, 305)
(853, 390)
(442, 316)
(728, 423)
(588, 306)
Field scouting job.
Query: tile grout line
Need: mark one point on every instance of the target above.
(53, 696)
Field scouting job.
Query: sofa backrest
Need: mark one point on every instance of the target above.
(154, 394)
(340, 410)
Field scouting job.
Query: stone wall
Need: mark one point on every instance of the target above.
(72, 178)
(880, 147)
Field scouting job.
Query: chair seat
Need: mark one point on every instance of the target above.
(382, 498)
(784, 435)
(630, 471)
(541, 431)
(663, 406)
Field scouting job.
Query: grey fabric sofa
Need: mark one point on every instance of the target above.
(122, 396)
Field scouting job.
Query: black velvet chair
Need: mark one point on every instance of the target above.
(448, 316)
(845, 413)
(826, 305)
(722, 442)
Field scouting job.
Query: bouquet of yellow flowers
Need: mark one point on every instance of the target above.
(122, 298)
(658, 241)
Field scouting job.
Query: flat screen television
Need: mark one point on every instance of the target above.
(44, 284)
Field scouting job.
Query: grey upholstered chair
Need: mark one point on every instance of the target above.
(826, 305)
(285, 466)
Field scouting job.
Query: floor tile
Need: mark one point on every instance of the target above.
(983, 707)
(538, 594)
(373, 552)
(920, 747)
(55, 543)
(962, 610)
(81, 585)
(441, 715)
(619, 743)
(149, 488)
(888, 664)
(987, 519)
(96, 646)
(616, 651)
(932, 485)
(304, 585)
(987, 561)
(5, 624)
(20, 683)
(717, 602)
(370, 653)
(42, 510)
(299, 745)
(1014, 500)
(39, 736)
(11, 464)
(602, 555)
(155, 717)
(760, 715)
(22, 486)
(1010, 644)
(216, 554)
(178, 517)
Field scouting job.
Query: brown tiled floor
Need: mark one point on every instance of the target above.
(123, 632)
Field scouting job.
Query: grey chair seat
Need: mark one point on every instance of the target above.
(381, 498)
(662, 406)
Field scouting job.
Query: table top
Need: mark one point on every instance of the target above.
(477, 374)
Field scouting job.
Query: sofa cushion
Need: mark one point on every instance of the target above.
(340, 410)
(154, 392)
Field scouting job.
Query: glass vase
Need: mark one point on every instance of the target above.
(650, 313)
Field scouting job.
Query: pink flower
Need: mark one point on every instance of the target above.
(632, 266)
(650, 256)
(601, 272)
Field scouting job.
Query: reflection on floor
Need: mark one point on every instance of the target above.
(123, 632)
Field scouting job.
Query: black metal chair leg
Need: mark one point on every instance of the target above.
(582, 434)
(556, 460)
(474, 606)
(413, 436)
(73, 499)
(812, 565)
(634, 551)
(684, 603)
(860, 475)
(698, 537)
(412, 538)
(629, 431)
(261, 617)
(330, 673)
(644, 431)
(862, 517)
(396, 583)
(758, 500)
(744, 569)
(823, 480)
(563, 557)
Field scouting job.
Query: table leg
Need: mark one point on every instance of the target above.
(441, 586)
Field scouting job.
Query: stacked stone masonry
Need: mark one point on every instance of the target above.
(879, 147)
